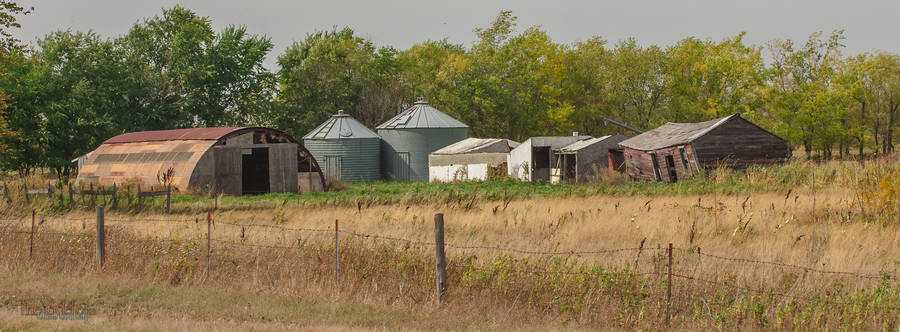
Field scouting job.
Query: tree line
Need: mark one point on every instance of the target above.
(71, 90)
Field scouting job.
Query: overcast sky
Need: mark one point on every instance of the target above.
(870, 25)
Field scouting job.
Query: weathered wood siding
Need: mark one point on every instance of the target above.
(739, 143)
(639, 164)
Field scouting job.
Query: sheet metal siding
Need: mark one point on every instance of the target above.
(419, 143)
(360, 157)
(519, 162)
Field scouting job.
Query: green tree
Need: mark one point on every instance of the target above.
(707, 80)
(181, 74)
(332, 70)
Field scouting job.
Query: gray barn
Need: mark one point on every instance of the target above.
(409, 137)
(346, 149)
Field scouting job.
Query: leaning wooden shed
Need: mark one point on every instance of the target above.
(682, 150)
(230, 160)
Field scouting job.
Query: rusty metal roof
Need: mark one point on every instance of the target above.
(671, 134)
(173, 135)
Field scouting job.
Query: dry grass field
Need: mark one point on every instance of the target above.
(821, 252)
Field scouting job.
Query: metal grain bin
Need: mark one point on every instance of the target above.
(345, 149)
(409, 137)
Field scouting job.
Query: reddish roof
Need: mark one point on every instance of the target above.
(173, 135)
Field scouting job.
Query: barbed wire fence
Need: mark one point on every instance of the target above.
(686, 284)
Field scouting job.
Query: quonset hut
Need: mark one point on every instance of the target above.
(409, 137)
(230, 160)
(676, 151)
(347, 149)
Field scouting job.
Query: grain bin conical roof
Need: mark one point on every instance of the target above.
(422, 115)
(340, 126)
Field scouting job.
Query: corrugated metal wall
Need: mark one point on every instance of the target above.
(405, 151)
(358, 159)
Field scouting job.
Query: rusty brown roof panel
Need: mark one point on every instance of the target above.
(173, 135)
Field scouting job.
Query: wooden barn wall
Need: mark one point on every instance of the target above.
(639, 164)
(739, 143)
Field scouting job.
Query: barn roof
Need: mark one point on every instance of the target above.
(339, 126)
(672, 133)
(421, 115)
(479, 145)
(173, 135)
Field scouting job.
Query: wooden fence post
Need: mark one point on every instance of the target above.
(337, 252)
(31, 239)
(168, 197)
(101, 245)
(440, 275)
(208, 239)
(140, 199)
(669, 286)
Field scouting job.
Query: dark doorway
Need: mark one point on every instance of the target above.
(255, 171)
(616, 160)
(540, 163)
(569, 165)
(670, 163)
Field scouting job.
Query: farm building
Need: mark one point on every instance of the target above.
(347, 149)
(533, 159)
(682, 150)
(234, 161)
(582, 160)
(470, 159)
(408, 138)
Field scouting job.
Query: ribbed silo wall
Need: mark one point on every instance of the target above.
(360, 158)
(404, 152)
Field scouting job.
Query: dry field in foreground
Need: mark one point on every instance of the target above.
(766, 260)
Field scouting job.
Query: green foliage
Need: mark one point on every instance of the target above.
(74, 89)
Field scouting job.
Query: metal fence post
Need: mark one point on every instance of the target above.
(440, 275)
(101, 245)
(337, 252)
(115, 196)
(669, 286)
(140, 199)
(25, 189)
(71, 201)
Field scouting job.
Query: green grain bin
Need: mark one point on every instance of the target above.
(408, 138)
(346, 149)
